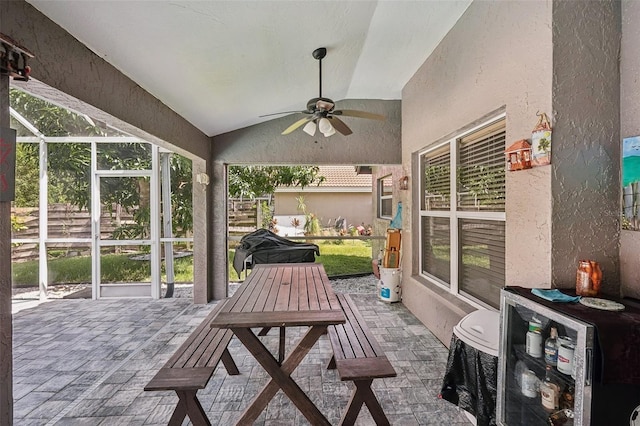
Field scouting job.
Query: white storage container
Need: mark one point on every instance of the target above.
(389, 284)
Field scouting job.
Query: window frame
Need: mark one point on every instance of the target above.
(382, 197)
(454, 214)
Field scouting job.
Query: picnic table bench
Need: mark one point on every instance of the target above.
(359, 358)
(191, 367)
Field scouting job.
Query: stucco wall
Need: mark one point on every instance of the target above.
(477, 69)
(630, 126)
(372, 141)
(586, 140)
(380, 226)
(355, 207)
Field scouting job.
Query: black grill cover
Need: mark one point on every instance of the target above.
(266, 247)
(470, 381)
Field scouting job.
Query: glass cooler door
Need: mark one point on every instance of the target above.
(521, 368)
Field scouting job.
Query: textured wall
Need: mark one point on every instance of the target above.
(630, 126)
(630, 263)
(477, 69)
(6, 319)
(372, 141)
(355, 207)
(586, 139)
(380, 226)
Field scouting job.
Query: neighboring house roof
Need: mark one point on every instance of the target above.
(337, 179)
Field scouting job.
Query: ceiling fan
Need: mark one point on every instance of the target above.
(321, 112)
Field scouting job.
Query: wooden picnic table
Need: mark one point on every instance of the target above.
(282, 295)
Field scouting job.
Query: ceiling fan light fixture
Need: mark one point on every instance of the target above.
(330, 132)
(324, 125)
(310, 128)
(321, 113)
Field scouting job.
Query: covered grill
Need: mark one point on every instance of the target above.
(263, 246)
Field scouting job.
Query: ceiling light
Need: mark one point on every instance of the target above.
(330, 132)
(310, 128)
(324, 125)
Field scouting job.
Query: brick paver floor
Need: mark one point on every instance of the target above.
(85, 362)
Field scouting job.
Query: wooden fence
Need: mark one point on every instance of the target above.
(64, 221)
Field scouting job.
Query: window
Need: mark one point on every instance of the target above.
(385, 197)
(463, 236)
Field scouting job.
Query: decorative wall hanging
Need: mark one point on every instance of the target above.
(541, 141)
(519, 156)
(631, 183)
(403, 183)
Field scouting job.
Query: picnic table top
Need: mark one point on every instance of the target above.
(282, 295)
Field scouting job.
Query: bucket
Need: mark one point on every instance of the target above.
(389, 284)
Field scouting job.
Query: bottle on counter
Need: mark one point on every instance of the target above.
(551, 348)
(549, 392)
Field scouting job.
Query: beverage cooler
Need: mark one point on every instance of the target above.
(567, 363)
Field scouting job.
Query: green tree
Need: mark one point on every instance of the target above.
(69, 166)
(27, 175)
(255, 181)
(181, 195)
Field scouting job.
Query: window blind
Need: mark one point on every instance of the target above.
(436, 180)
(436, 248)
(481, 173)
(482, 264)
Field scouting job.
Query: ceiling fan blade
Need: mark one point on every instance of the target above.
(284, 112)
(340, 126)
(297, 124)
(324, 105)
(360, 114)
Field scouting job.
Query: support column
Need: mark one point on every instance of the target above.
(219, 273)
(202, 234)
(167, 222)
(6, 319)
(585, 155)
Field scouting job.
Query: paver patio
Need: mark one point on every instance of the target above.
(84, 362)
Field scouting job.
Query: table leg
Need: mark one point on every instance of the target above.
(280, 374)
(189, 405)
(281, 346)
(265, 331)
(363, 394)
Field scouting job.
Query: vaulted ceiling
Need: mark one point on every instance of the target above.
(222, 64)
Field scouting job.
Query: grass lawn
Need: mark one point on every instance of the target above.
(349, 257)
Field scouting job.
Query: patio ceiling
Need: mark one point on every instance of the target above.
(222, 64)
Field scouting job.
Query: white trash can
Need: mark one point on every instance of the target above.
(389, 285)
